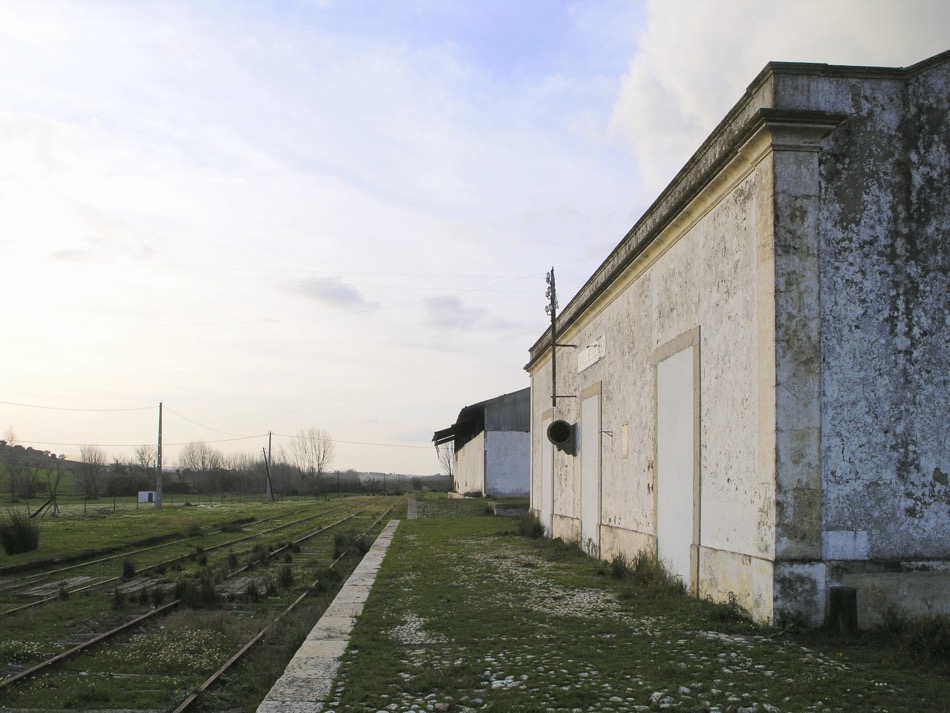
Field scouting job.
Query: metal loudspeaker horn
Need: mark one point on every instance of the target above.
(561, 434)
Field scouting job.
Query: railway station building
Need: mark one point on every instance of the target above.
(754, 383)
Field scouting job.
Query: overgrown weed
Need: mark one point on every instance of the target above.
(922, 638)
(350, 542)
(198, 592)
(644, 571)
(727, 612)
(530, 526)
(326, 579)
(19, 533)
(128, 568)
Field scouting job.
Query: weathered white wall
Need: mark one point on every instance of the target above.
(507, 466)
(470, 466)
(885, 322)
(704, 277)
(813, 260)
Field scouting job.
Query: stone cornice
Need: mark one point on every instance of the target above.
(723, 160)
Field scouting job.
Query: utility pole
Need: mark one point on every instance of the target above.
(158, 461)
(270, 489)
(551, 309)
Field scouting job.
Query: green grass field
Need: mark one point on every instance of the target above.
(469, 615)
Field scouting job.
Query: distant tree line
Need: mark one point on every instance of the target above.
(301, 468)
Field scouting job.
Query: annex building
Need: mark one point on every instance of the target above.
(491, 446)
(757, 387)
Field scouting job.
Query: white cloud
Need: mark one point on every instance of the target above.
(335, 293)
(695, 59)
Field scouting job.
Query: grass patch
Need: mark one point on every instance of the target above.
(469, 615)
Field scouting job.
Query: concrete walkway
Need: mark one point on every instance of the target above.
(306, 684)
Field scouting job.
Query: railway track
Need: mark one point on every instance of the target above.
(47, 581)
(251, 591)
(211, 680)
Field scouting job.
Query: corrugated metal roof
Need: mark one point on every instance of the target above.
(508, 412)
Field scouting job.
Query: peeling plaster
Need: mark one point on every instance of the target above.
(811, 251)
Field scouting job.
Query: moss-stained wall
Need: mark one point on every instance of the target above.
(885, 246)
(807, 243)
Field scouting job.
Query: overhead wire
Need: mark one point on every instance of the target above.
(191, 420)
(65, 408)
(165, 407)
(360, 443)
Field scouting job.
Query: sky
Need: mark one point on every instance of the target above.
(339, 214)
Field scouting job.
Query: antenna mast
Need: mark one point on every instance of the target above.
(551, 309)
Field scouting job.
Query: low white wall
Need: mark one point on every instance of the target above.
(470, 466)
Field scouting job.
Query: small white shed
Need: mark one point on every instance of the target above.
(492, 444)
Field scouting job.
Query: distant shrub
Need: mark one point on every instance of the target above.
(893, 621)
(258, 555)
(194, 530)
(929, 637)
(530, 526)
(286, 576)
(925, 638)
(18, 533)
(350, 542)
(198, 592)
(326, 579)
(128, 568)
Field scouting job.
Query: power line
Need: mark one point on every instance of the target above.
(225, 433)
(235, 436)
(361, 443)
(132, 445)
(90, 410)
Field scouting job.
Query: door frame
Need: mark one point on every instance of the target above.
(687, 340)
